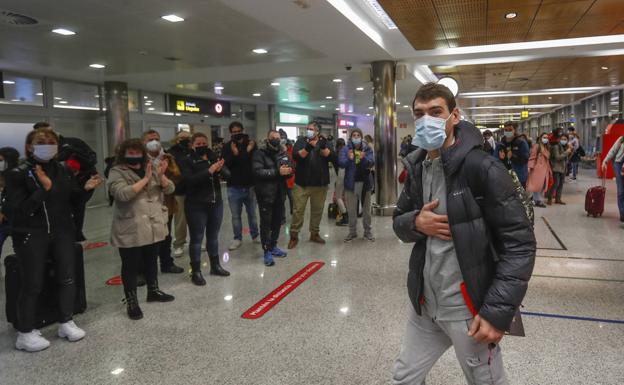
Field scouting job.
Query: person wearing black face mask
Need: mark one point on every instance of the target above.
(202, 172)
(139, 220)
(38, 203)
(271, 168)
(180, 151)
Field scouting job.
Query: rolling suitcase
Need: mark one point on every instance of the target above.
(595, 200)
(47, 308)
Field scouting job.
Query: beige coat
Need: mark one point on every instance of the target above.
(139, 219)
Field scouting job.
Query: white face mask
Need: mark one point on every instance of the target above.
(153, 146)
(45, 152)
(564, 142)
(3, 165)
(545, 140)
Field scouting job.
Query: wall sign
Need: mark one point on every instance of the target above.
(344, 122)
(285, 117)
(323, 121)
(186, 104)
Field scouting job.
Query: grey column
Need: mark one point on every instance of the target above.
(384, 102)
(117, 114)
(272, 116)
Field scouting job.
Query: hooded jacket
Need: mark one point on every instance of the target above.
(270, 185)
(493, 238)
(367, 161)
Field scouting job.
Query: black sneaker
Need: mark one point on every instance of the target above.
(171, 269)
(159, 296)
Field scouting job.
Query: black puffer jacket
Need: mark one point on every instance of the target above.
(313, 170)
(31, 208)
(202, 188)
(493, 238)
(270, 185)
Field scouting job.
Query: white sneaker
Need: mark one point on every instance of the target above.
(70, 331)
(235, 244)
(31, 342)
(178, 252)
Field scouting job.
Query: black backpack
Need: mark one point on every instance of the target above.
(80, 150)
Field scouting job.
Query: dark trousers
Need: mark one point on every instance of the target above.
(32, 251)
(135, 260)
(557, 187)
(164, 247)
(204, 221)
(270, 222)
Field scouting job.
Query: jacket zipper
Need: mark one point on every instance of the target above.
(45, 210)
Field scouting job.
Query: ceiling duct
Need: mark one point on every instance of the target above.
(12, 18)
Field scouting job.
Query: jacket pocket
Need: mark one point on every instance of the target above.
(125, 223)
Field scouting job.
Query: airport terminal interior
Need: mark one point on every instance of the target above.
(258, 95)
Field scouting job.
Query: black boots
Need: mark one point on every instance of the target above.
(196, 275)
(171, 269)
(132, 305)
(154, 294)
(215, 267)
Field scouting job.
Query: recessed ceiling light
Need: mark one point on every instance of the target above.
(228, 297)
(367, 114)
(337, 109)
(406, 106)
(275, 84)
(370, 108)
(39, 94)
(284, 99)
(63, 101)
(398, 102)
(219, 88)
(511, 15)
(57, 98)
(172, 18)
(257, 94)
(360, 89)
(604, 68)
(337, 80)
(329, 97)
(63, 31)
(350, 111)
(96, 96)
(550, 97)
(151, 109)
(322, 106)
(96, 65)
(17, 100)
(8, 82)
(260, 51)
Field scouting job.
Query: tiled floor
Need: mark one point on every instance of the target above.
(344, 324)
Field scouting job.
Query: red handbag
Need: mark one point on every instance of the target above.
(403, 176)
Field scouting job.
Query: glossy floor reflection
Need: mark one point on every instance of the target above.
(343, 325)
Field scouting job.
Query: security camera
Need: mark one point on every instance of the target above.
(348, 67)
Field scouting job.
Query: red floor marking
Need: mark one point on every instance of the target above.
(267, 303)
(95, 245)
(115, 281)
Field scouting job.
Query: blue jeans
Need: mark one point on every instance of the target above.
(206, 220)
(238, 196)
(619, 182)
(574, 166)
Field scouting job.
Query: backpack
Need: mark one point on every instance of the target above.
(473, 159)
(79, 149)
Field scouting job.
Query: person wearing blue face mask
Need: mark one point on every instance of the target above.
(357, 159)
(457, 205)
(559, 154)
(513, 151)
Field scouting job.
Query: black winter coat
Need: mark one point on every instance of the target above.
(270, 185)
(239, 166)
(493, 238)
(313, 170)
(202, 188)
(32, 209)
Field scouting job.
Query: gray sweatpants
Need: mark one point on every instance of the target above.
(352, 204)
(425, 341)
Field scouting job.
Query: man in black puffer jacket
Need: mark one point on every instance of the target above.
(271, 168)
(474, 247)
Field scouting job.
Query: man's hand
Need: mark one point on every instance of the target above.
(93, 182)
(432, 224)
(325, 152)
(285, 170)
(216, 167)
(483, 331)
(251, 146)
(351, 155)
(313, 142)
(234, 148)
(45, 181)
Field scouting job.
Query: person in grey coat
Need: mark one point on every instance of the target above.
(474, 246)
(139, 220)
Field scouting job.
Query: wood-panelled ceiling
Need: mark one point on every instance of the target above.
(429, 24)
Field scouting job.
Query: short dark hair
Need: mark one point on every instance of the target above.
(11, 157)
(150, 132)
(272, 131)
(509, 123)
(432, 91)
(128, 144)
(236, 124)
(41, 125)
(316, 124)
(198, 135)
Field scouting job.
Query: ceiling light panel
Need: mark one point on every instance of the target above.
(64, 32)
(260, 51)
(96, 65)
(381, 14)
(172, 18)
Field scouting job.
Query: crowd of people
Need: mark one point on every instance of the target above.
(162, 197)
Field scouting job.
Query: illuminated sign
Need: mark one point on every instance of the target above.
(185, 104)
(346, 123)
(293, 118)
(524, 114)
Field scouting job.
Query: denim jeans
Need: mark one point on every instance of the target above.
(238, 196)
(204, 220)
(619, 182)
(574, 166)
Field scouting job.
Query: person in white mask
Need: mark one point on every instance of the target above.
(156, 154)
(456, 201)
(540, 173)
(38, 198)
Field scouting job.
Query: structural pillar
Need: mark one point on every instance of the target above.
(117, 114)
(384, 103)
(272, 115)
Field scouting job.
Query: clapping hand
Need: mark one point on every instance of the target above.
(94, 182)
(44, 179)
